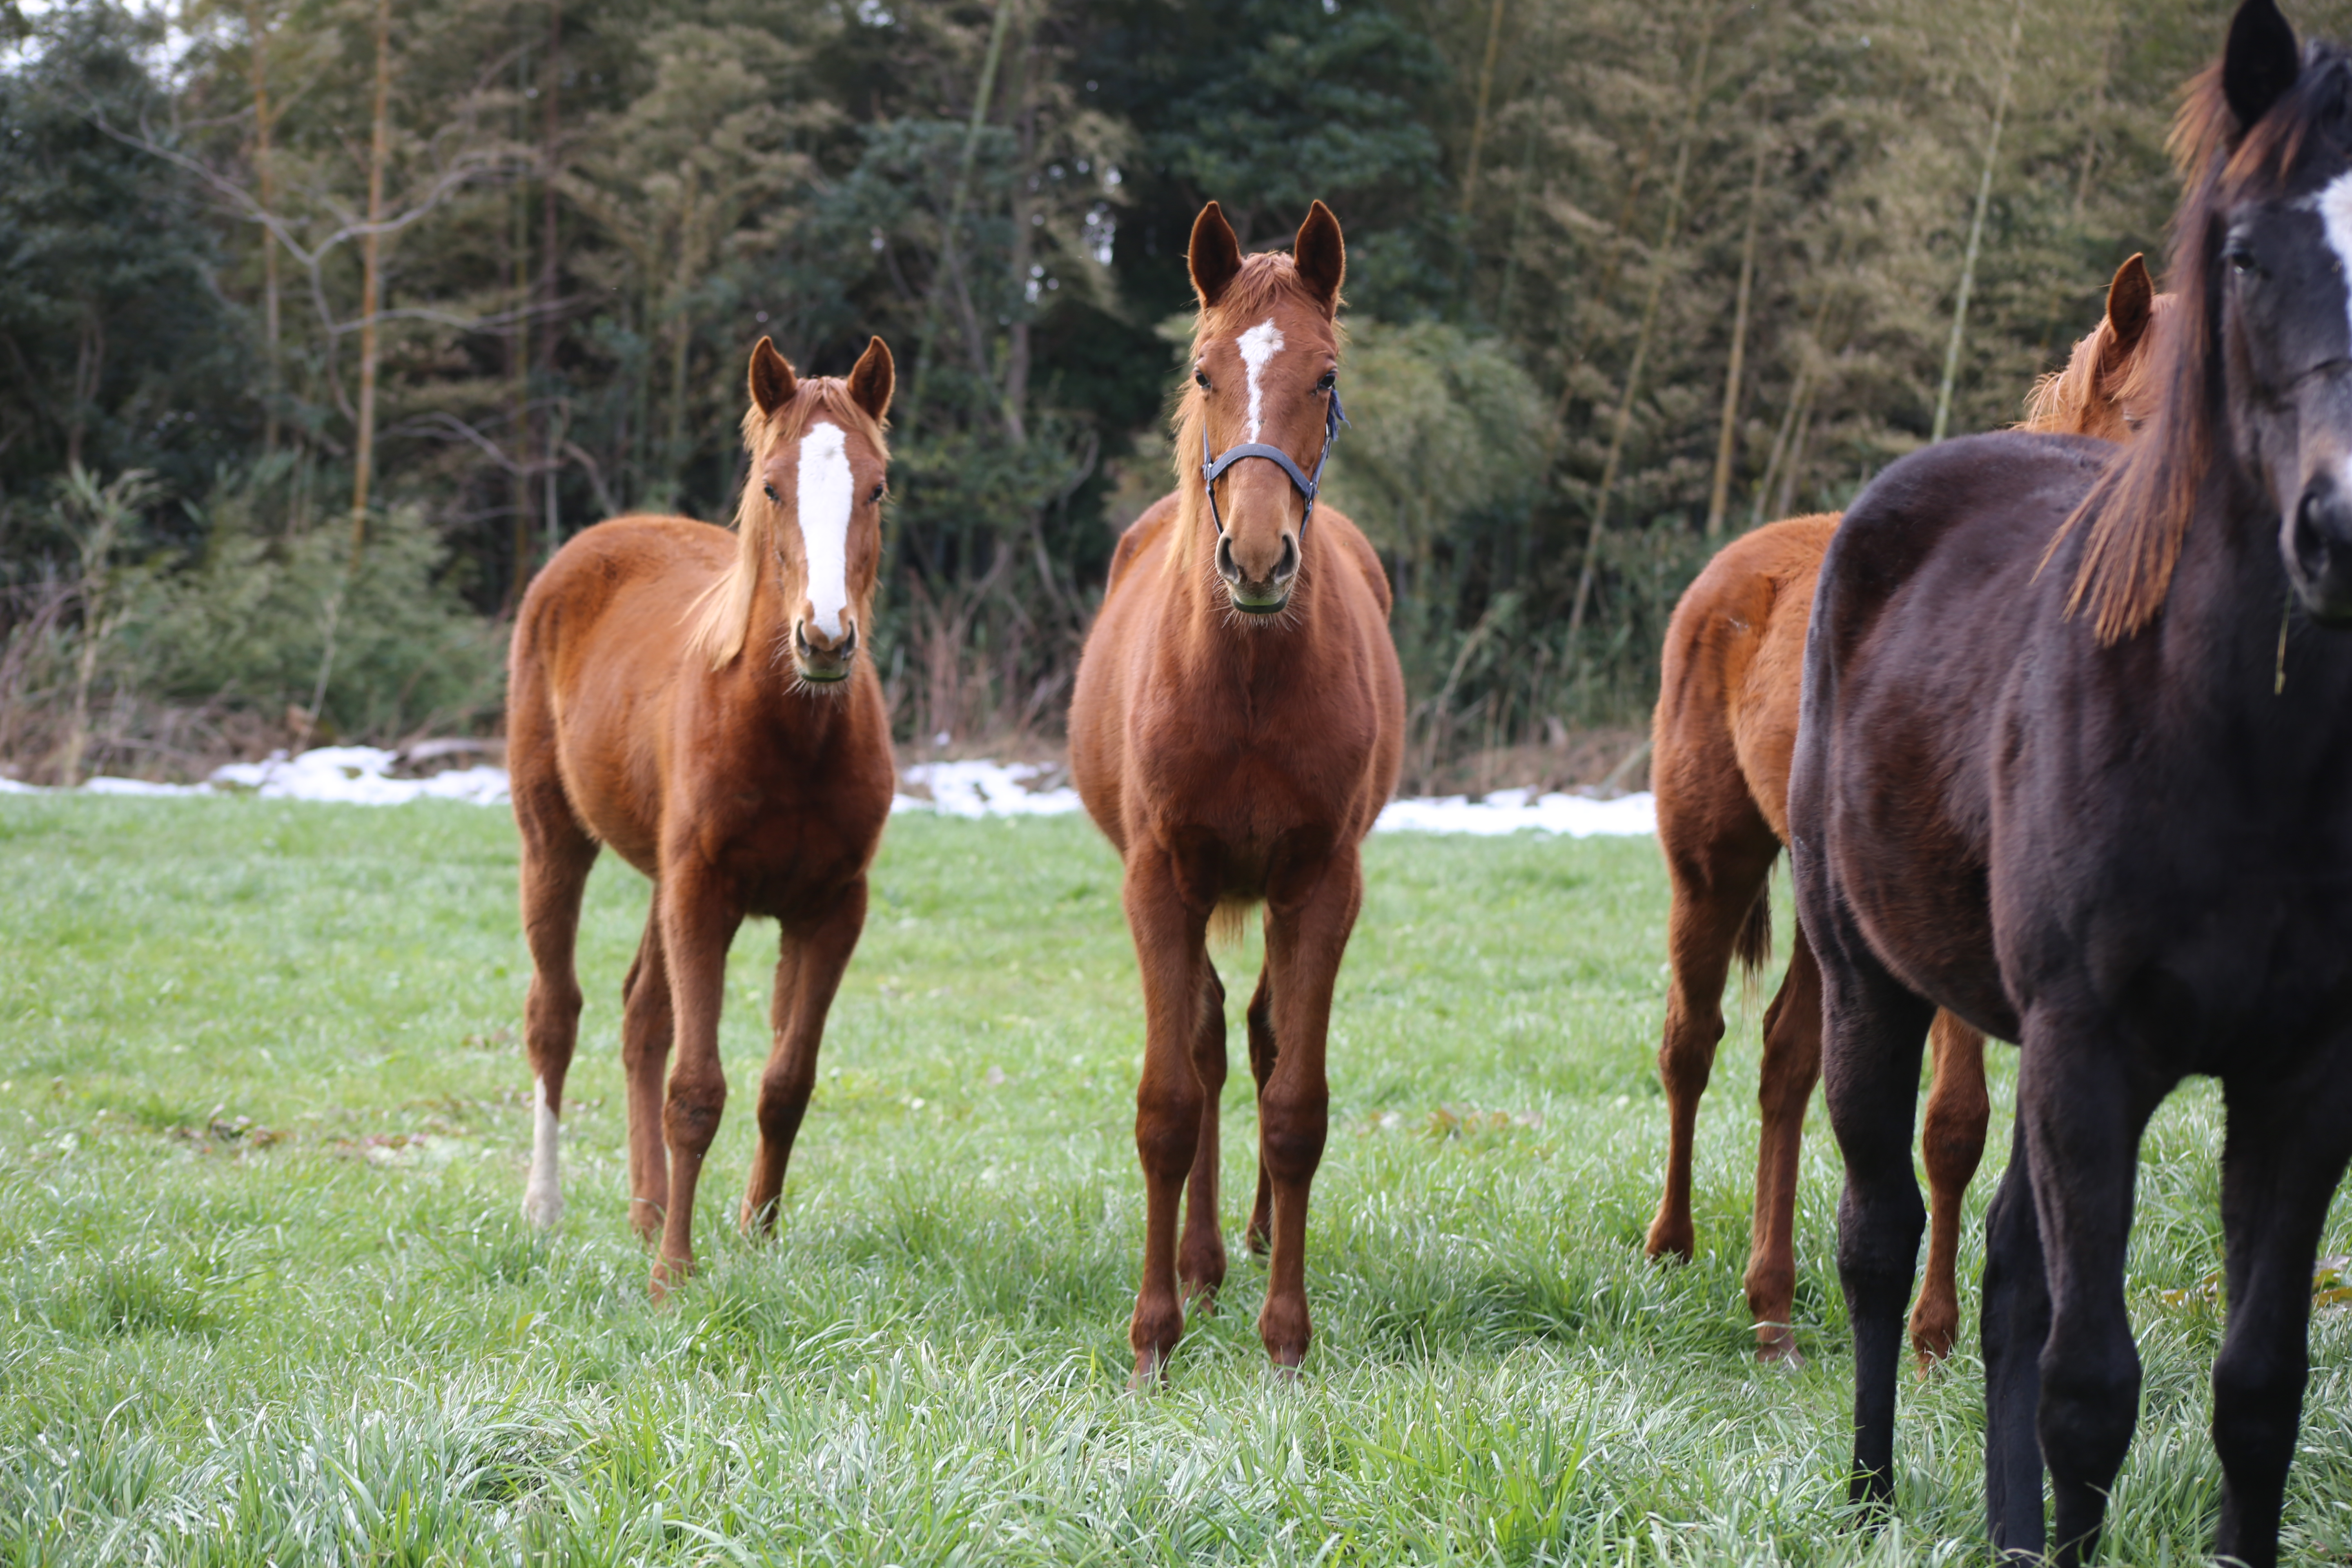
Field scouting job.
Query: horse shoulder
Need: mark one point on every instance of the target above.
(1138, 537)
(1366, 559)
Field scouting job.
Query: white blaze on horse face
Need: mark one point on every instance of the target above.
(2334, 206)
(542, 1194)
(824, 502)
(1258, 345)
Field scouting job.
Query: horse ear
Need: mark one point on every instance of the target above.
(2259, 63)
(1321, 256)
(1215, 257)
(873, 379)
(2131, 304)
(773, 381)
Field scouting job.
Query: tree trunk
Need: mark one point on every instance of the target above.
(1661, 262)
(1719, 494)
(549, 168)
(950, 273)
(1976, 229)
(1016, 353)
(372, 280)
(265, 176)
(1486, 95)
(519, 375)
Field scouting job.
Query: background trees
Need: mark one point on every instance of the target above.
(1626, 276)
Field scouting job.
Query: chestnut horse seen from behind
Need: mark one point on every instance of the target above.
(1236, 727)
(695, 699)
(1725, 724)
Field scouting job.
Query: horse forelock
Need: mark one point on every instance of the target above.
(1267, 280)
(719, 618)
(2137, 514)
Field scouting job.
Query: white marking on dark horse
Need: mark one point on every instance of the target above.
(825, 500)
(543, 1196)
(1258, 345)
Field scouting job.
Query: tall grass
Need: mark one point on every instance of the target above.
(263, 1127)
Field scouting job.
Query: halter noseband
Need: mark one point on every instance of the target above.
(1212, 467)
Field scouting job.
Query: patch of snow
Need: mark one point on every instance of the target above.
(1512, 810)
(985, 789)
(360, 775)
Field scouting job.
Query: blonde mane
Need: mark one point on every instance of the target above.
(2062, 401)
(719, 618)
(1265, 280)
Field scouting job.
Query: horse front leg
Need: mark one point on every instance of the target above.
(2013, 1325)
(813, 952)
(1792, 1064)
(1951, 1143)
(2285, 1152)
(1872, 1029)
(1304, 941)
(2083, 1114)
(647, 1030)
(699, 921)
(1170, 947)
(1263, 1055)
(1201, 1256)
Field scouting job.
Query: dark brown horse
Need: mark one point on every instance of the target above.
(1725, 723)
(2096, 796)
(1236, 727)
(695, 699)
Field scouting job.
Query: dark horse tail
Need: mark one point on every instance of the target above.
(1753, 946)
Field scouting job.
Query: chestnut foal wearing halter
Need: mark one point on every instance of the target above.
(1726, 725)
(1236, 727)
(695, 699)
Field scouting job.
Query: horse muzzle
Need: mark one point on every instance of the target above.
(1266, 597)
(821, 660)
(2317, 545)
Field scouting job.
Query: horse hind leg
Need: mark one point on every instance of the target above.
(1716, 890)
(647, 1024)
(556, 858)
(1952, 1143)
(1792, 1064)
(1201, 1254)
(1262, 1059)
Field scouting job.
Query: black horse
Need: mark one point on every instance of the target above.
(2076, 763)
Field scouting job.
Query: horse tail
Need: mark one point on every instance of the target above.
(1225, 921)
(1753, 946)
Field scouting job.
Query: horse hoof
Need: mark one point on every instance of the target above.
(1779, 1350)
(542, 1208)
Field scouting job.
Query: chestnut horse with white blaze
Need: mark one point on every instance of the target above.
(1726, 726)
(1236, 727)
(694, 699)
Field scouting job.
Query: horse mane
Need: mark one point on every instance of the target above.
(2137, 513)
(1265, 280)
(2059, 402)
(719, 618)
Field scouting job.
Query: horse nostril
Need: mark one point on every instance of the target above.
(2312, 531)
(1287, 567)
(1225, 567)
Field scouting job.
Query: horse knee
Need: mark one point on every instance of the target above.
(2089, 1402)
(691, 1117)
(1878, 1245)
(784, 1101)
(2257, 1409)
(1168, 1133)
(551, 1010)
(1686, 1052)
(1291, 1134)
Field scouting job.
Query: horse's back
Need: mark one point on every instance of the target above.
(1727, 714)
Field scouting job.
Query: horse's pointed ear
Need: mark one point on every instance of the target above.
(2259, 63)
(1321, 256)
(873, 379)
(1215, 257)
(2131, 304)
(772, 381)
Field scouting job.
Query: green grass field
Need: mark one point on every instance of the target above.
(269, 1297)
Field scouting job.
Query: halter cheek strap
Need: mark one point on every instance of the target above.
(1213, 468)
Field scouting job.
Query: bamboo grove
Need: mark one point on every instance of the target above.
(324, 321)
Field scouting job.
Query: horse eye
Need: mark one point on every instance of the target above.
(1200, 378)
(875, 499)
(1330, 379)
(2241, 261)
(772, 494)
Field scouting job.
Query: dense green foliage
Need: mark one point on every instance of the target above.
(263, 1128)
(1556, 211)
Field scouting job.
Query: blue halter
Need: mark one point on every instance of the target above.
(1306, 484)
